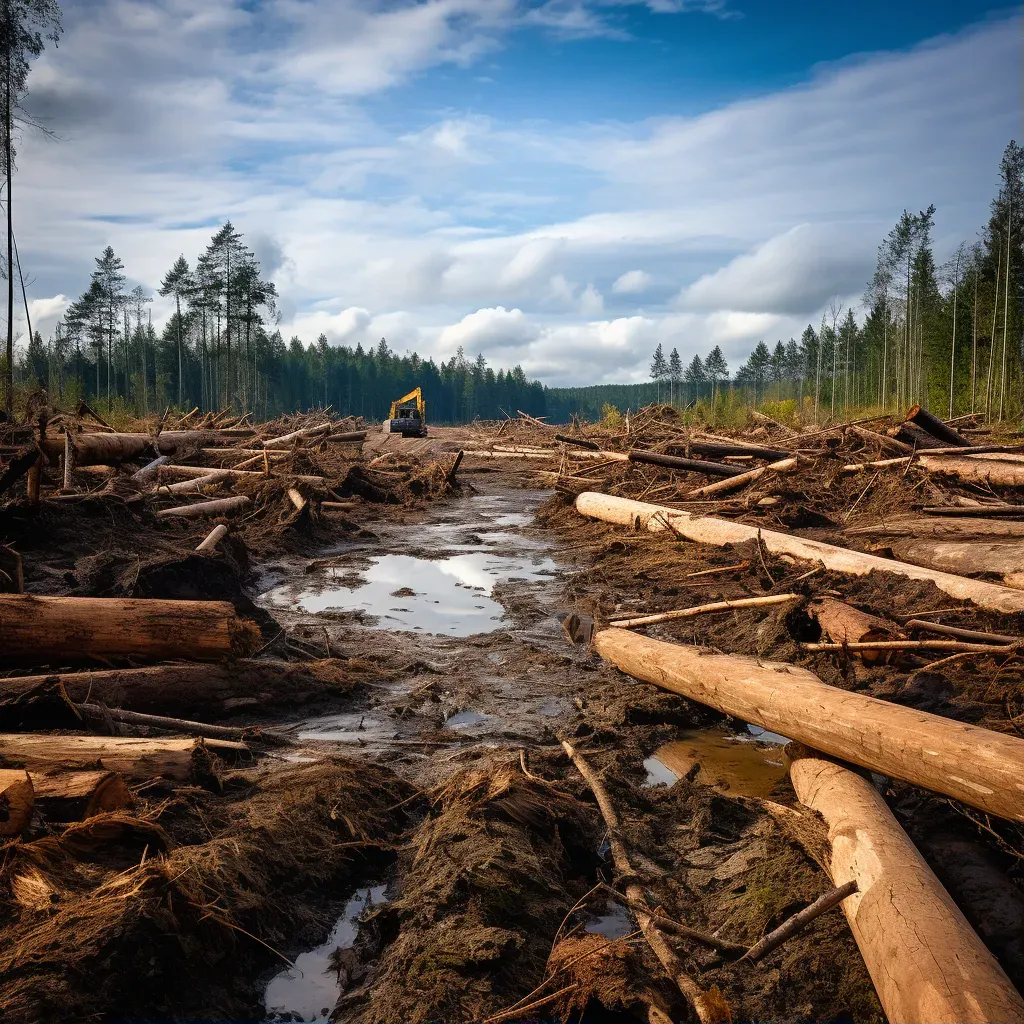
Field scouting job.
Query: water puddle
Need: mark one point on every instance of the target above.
(613, 925)
(309, 990)
(465, 719)
(448, 596)
(764, 736)
(355, 727)
(725, 762)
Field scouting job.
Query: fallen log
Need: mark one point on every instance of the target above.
(148, 471)
(177, 690)
(16, 801)
(956, 527)
(578, 442)
(296, 435)
(1006, 560)
(77, 795)
(925, 960)
(701, 609)
(949, 646)
(988, 510)
(711, 530)
(195, 482)
(213, 538)
(18, 467)
(882, 440)
(734, 482)
(767, 421)
(350, 437)
(726, 449)
(923, 626)
(977, 766)
(709, 1006)
(687, 465)
(985, 472)
(846, 624)
(68, 630)
(190, 728)
(134, 758)
(207, 508)
(934, 426)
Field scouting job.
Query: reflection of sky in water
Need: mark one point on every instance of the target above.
(309, 990)
(452, 595)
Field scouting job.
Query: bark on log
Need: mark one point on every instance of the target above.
(925, 960)
(959, 527)
(687, 465)
(721, 449)
(934, 426)
(16, 801)
(977, 766)
(195, 483)
(350, 437)
(734, 482)
(133, 758)
(963, 556)
(77, 795)
(211, 732)
(68, 630)
(578, 442)
(178, 690)
(882, 440)
(986, 472)
(148, 471)
(206, 508)
(307, 432)
(18, 467)
(845, 624)
(710, 530)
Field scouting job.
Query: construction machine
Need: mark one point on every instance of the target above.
(408, 416)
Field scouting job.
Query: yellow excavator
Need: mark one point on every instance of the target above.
(408, 416)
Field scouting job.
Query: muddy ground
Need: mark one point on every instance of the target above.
(416, 834)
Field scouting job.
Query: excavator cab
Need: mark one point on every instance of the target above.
(408, 416)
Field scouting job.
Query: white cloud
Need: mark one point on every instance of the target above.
(439, 225)
(633, 282)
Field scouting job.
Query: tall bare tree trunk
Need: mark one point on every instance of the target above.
(992, 338)
(10, 222)
(1006, 307)
(952, 356)
(177, 302)
(974, 344)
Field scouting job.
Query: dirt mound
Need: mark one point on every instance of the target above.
(492, 872)
(172, 914)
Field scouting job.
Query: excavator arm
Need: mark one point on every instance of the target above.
(417, 395)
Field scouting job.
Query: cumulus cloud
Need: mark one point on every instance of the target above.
(632, 282)
(795, 273)
(437, 226)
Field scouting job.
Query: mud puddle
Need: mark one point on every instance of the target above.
(309, 990)
(729, 762)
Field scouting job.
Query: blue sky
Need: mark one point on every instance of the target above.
(563, 183)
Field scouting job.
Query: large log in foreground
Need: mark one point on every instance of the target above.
(1006, 560)
(77, 795)
(711, 530)
(958, 528)
(132, 757)
(69, 630)
(925, 960)
(182, 691)
(975, 765)
(933, 425)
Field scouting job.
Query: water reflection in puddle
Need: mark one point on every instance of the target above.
(354, 727)
(613, 925)
(725, 762)
(465, 719)
(309, 990)
(450, 596)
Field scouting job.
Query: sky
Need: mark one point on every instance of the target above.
(562, 184)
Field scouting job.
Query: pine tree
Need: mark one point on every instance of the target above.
(659, 368)
(717, 370)
(695, 375)
(178, 282)
(675, 374)
(110, 280)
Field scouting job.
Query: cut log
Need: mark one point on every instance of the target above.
(16, 801)
(686, 465)
(883, 441)
(350, 437)
(711, 530)
(578, 442)
(207, 508)
(148, 471)
(736, 449)
(35, 473)
(213, 538)
(974, 509)
(69, 630)
(297, 435)
(296, 499)
(955, 528)
(196, 483)
(177, 690)
(77, 795)
(934, 426)
(925, 960)
(69, 462)
(103, 449)
(963, 556)
(96, 713)
(702, 609)
(767, 421)
(984, 472)
(977, 766)
(845, 625)
(735, 482)
(133, 758)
